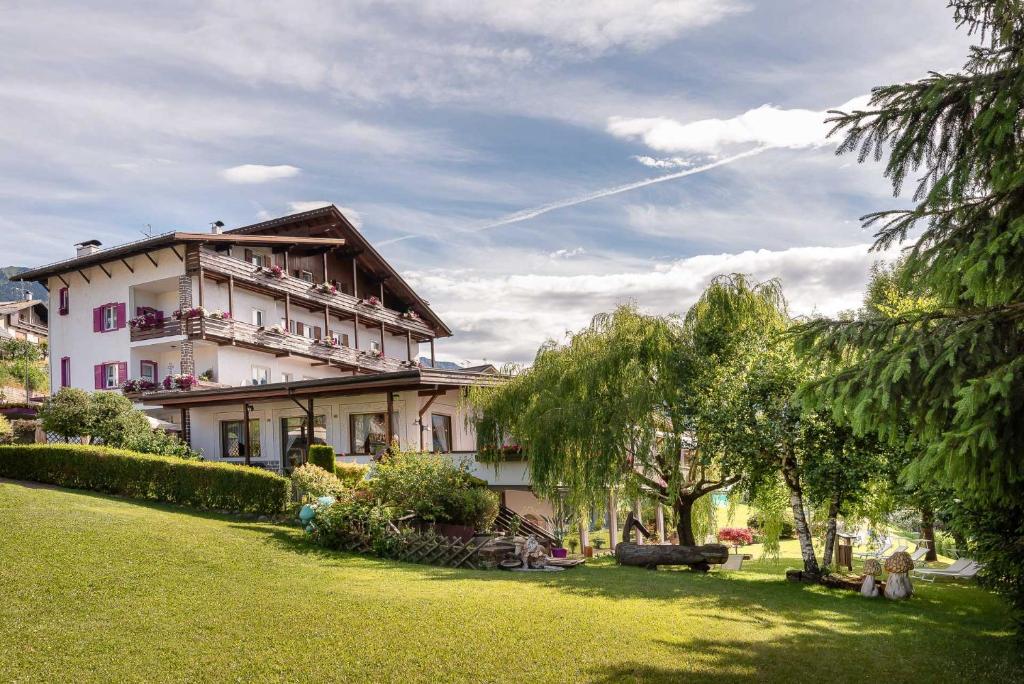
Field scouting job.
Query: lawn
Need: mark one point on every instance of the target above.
(103, 589)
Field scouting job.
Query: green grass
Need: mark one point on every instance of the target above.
(103, 589)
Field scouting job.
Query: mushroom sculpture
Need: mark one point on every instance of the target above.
(871, 568)
(898, 585)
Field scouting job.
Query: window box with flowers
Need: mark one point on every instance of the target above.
(371, 301)
(273, 271)
(273, 330)
(193, 312)
(179, 382)
(411, 315)
(219, 315)
(331, 342)
(149, 320)
(140, 385)
(326, 288)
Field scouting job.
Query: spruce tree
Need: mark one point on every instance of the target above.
(952, 371)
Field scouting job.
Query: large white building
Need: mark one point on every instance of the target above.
(280, 325)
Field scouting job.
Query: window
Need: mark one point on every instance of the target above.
(110, 376)
(375, 346)
(65, 372)
(293, 438)
(306, 275)
(341, 338)
(232, 443)
(256, 259)
(368, 432)
(260, 375)
(286, 377)
(441, 427)
(110, 317)
(64, 301)
(257, 317)
(148, 370)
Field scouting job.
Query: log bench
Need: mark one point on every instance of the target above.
(652, 555)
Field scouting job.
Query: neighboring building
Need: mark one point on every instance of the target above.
(288, 323)
(24, 320)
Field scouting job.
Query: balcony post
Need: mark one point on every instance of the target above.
(325, 267)
(327, 321)
(247, 434)
(201, 278)
(287, 311)
(408, 344)
(433, 364)
(387, 422)
(382, 338)
(231, 296)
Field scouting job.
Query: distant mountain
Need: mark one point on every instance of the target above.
(445, 365)
(10, 291)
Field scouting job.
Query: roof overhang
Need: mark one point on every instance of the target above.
(429, 379)
(156, 242)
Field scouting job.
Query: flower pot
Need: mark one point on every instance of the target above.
(558, 552)
(588, 551)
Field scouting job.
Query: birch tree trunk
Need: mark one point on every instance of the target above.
(803, 530)
(830, 532)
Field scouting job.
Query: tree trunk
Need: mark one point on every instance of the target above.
(653, 555)
(803, 531)
(683, 508)
(830, 531)
(928, 531)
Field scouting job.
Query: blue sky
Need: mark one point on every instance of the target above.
(433, 122)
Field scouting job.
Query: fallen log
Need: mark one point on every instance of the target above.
(652, 555)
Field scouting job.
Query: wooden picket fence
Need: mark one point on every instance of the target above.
(444, 551)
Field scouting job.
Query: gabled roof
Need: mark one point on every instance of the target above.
(329, 220)
(167, 240)
(18, 305)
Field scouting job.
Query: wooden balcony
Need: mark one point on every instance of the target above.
(248, 336)
(219, 266)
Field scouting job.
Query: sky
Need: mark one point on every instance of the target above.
(525, 165)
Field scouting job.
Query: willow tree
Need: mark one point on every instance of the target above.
(953, 373)
(633, 400)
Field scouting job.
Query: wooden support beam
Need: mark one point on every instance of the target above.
(286, 269)
(231, 296)
(355, 279)
(85, 277)
(61, 278)
(327, 321)
(151, 260)
(246, 448)
(287, 312)
(391, 409)
(104, 269)
(408, 344)
(202, 278)
(382, 337)
(128, 266)
(177, 254)
(355, 331)
(433, 363)
(325, 267)
(320, 363)
(382, 293)
(310, 425)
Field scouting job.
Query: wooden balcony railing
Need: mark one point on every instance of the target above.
(303, 292)
(246, 335)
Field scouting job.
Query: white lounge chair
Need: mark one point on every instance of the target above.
(734, 562)
(919, 554)
(875, 554)
(898, 549)
(962, 568)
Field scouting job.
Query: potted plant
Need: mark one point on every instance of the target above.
(182, 382)
(371, 301)
(573, 544)
(411, 314)
(326, 288)
(599, 544)
(275, 271)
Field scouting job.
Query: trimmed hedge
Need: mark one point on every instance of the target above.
(202, 484)
(322, 455)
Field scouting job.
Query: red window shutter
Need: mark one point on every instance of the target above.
(65, 371)
(98, 371)
(122, 371)
(248, 255)
(122, 315)
(317, 333)
(97, 319)
(62, 297)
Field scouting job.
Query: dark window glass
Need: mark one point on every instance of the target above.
(441, 427)
(368, 432)
(231, 439)
(293, 438)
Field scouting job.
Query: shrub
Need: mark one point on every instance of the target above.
(418, 482)
(474, 507)
(322, 455)
(6, 431)
(24, 431)
(353, 522)
(68, 413)
(351, 474)
(146, 476)
(739, 536)
(756, 522)
(313, 480)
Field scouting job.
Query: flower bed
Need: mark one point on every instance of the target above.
(147, 321)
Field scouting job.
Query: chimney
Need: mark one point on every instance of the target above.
(28, 295)
(88, 247)
(216, 227)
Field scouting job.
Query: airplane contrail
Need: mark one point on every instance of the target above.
(528, 214)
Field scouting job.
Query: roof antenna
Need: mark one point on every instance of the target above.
(149, 230)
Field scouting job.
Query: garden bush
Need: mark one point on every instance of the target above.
(474, 507)
(24, 431)
(756, 523)
(6, 431)
(169, 479)
(322, 455)
(351, 474)
(314, 481)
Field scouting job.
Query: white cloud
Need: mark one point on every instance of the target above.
(767, 126)
(595, 25)
(536, 307)
(258, 173)
(567, 253)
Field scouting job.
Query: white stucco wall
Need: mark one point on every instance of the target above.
(72, 334)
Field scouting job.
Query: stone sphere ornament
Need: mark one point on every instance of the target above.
(898, 585)
(871, 568)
